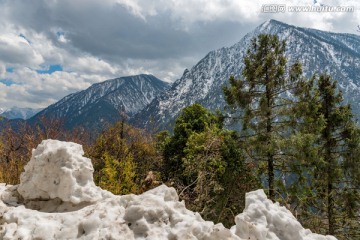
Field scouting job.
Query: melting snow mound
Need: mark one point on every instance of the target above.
(263, 219)
(59, 170)
(57, 199)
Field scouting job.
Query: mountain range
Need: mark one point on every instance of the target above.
(151, 103)
(318, 51)
(105, 102)
(19, 113)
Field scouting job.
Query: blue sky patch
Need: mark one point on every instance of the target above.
(23, 36)
(50, 69)
(7, 82)
(60, 33)
(9, 69)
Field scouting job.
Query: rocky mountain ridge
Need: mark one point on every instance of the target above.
(105, 102)
(318, 51)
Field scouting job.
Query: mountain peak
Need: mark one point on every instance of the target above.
(271, 25)
(270, 22)
(103, 102)
(318, 51)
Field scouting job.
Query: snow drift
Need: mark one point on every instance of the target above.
(59, 170)
(57, 199)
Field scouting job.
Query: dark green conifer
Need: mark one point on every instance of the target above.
(333, 168)
(261, 96)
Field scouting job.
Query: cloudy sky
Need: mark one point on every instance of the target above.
(51, 48)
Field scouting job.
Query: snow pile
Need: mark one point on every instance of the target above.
(57, 199)
(157, 214)
(58, 170)
(262, 219)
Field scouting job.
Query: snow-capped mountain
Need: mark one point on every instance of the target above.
(19, 113)
(318, 51)
(104, 102)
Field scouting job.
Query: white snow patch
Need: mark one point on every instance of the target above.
(80, 210)
(58, 170)
(184, 88)
(262, 219)
(331, 51)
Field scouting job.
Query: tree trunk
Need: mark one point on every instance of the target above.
(330, 171)
(330, 208)
(270, 155)
(271, 176)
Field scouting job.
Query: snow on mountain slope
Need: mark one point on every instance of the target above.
(103, 102)
(318, 51)
(19, 113)
(62, 202)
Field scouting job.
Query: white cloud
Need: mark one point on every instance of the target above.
(2, 70)
(189, 11)
(89, 64)
(35, 90)
(16, 50)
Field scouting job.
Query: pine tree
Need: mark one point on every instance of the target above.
(264, 106)
(333, 167)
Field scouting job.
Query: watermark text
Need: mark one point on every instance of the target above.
(282, 8)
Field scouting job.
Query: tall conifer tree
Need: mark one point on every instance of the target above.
(333, 170)
(261, 96)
